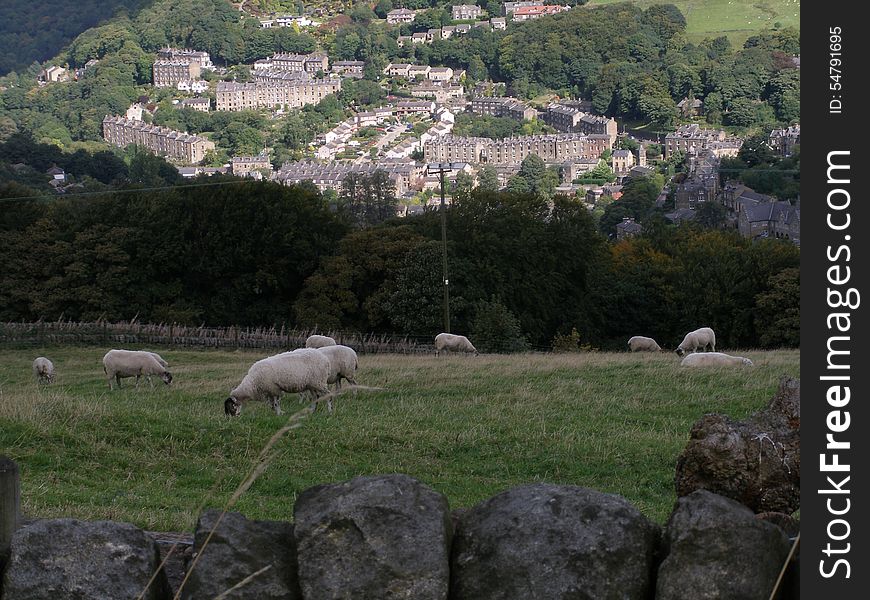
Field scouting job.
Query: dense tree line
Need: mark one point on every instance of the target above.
(36, 31)
(228, 251)
(241, 252)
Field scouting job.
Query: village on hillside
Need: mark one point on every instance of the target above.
(415, 126)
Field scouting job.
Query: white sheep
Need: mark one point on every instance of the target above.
(133, 363)
(343, 363)
(453, 343)
(297, 371)
(714, 359)
(43, 370)
(639, 343)
(319, 341)
(159, 359)
(700, 338)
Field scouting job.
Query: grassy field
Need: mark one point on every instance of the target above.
(738, 19)
(469, 427)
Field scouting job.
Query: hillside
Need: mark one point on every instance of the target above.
(36, 31)
(737, 19)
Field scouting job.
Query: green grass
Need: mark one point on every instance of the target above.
(738, 19)
(468, 427)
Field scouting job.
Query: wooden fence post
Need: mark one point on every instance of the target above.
(10, 498)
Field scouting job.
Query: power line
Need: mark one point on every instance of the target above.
(131, 190)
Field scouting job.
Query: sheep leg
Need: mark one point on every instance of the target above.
(118, 380)
(275, 403)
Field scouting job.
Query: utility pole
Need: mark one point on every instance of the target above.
(441, 169)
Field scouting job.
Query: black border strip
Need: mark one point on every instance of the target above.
(832, 121)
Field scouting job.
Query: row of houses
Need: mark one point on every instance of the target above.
(295, 93)
(447, 31)
(502, 107)
(404, 174)
(408, 71)
(121, 132)
(286, 61)
(575, 118)
(694, 139)
(174, 66)
(555, 148)
(288, 21)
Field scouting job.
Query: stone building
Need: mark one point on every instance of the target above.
(349, 68)
(784, 141)
(121, 131)
(556, 148)
(572, 119)
(688, 138)
(404, 174)
(170, 72)
(400, 15)
(232, 96)
(308, 63)
(250, 166)
(526, 13)
(199, 57)
(777, 219)
(200, 104)
(503, 107)
(466, 12)
(628, 228)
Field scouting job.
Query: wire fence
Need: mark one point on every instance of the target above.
(132, 333)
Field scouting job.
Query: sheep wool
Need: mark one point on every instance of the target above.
(306, 369)
(453, 343)
(700, 338)
(43, 370)
(159, 359)
(714, 359)
(319, 341)
(639, 343)
(343, 363)
(118, 364)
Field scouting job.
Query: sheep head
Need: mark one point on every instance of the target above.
(232, 407)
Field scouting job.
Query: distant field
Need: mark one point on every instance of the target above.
(738, 19)
(469, 427)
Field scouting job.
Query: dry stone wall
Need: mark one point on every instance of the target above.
(391, 536)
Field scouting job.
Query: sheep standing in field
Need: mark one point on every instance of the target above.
(714, 359)
(118, 364)
(43, 370)
(453, 343)
(319, 341)
(297, 371)
(638, 343)
(159, 359)
(700, 338)
(343, 365)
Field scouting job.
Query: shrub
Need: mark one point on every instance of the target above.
(496, 329)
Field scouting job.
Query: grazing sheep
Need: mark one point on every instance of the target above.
(453, 343)
(159, 359)
(639, 343)
(133, 363)
(43, 370)
(343, 364)
(700, 338)
(319, 341)
(297, 371)
(714, 359)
